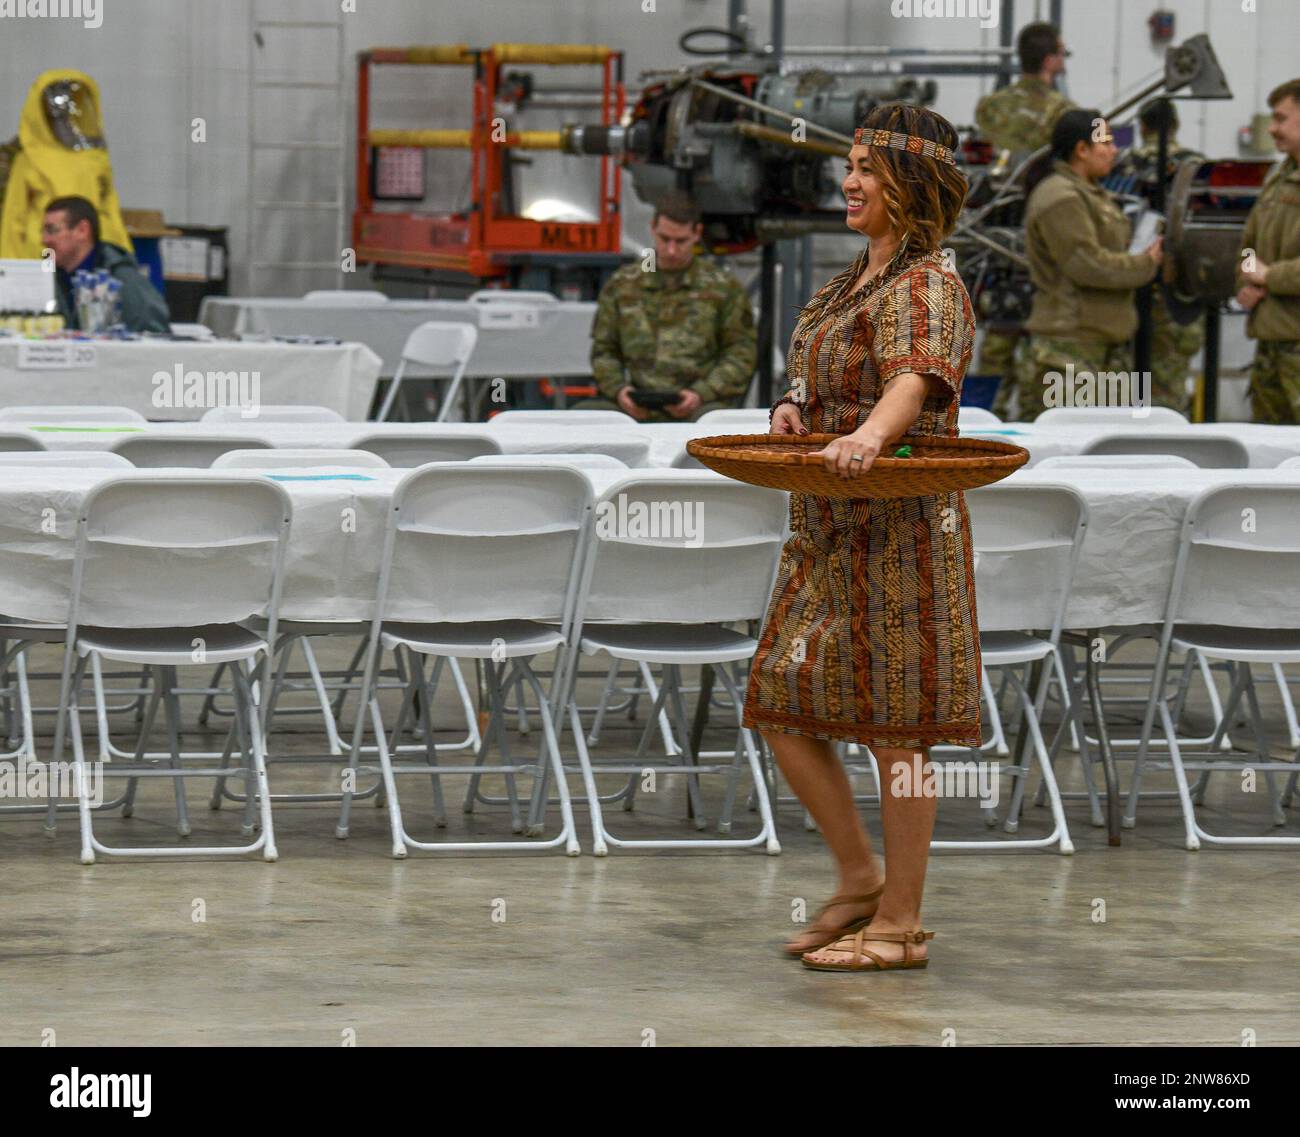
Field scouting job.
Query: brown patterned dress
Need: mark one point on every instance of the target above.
(871, 632)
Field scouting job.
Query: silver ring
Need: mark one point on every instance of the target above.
(857, 458)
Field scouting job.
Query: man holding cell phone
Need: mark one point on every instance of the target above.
(674, 335)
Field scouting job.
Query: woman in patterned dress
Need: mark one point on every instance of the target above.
(871, 632)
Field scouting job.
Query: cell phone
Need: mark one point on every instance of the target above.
(655, 400)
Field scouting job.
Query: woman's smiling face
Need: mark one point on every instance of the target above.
(866, 203)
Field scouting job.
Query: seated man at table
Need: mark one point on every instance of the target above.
(672, 325)
(71, 231)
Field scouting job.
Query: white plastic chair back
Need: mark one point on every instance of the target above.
(511, 296)
(188, 451)
(13, 441)
(968, 418)
(282, 458)
(682, 548)
(1289, 463)
(346, 296)
(158, 552)
(1239, 558)
(1113, 462)
(273, 414)
(1028, 538)
(595, 419)
(420, 447)
(472, 542)
(74, 459)
(53, 414)
(683, 460)
(572, 461)
(437, 344)
(1138, 417)
(193, 331)
(1210, 451)
(743, 420)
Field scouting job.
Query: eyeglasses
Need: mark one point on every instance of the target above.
(53, 230)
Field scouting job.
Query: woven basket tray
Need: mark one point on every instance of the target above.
(937, 465)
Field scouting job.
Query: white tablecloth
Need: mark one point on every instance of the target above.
(1123, 576)
(559, 345)
(142, 375)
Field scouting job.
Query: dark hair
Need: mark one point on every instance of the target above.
(1156, 113)
(1071, 127)
(1034, 44)
(676, 206)
(78, 210)
(922, 195)
(1290, 88)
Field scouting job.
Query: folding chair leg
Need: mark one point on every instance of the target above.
(172, 712)
(416, 665)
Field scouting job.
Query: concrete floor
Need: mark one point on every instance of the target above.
(337, 937)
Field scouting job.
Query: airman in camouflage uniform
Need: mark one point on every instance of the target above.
(1172, 345)
(1268, 274)
(1018, 118)
(692, 329)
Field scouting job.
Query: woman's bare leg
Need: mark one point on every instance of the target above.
(907, 816)
(817, 776)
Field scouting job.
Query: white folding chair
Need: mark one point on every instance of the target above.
(78, 459)
(511, 296)
(69, 414)
(435, 344)
(664, 592)
(273, 414)
(1139, 417)
(595, 419)
(422, 445)
(16, 442)
(282, 458)
(1114, 462)
(479, 562)
(165, 571)
(1028, 538)
(1289, 463)
(345, 297)
(182, 450)
(1248, 534)
(744, 420)
(1211, 451)
(971, 418)
(573, 461)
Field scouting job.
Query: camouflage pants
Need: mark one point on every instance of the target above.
(651, 416)
(1275, 383)
(998, 357)
(1172, 348)
(1049, 356)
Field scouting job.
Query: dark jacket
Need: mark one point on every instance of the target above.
(143, 309)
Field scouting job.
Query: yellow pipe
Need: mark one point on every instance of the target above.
(556, 53)
(460, 139)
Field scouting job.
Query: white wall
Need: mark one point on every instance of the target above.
(161, 63)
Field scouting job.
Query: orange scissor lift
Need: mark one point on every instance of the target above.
(483, 242)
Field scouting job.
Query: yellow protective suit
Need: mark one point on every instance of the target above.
(48, 166)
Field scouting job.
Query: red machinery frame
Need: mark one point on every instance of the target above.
(483, 242)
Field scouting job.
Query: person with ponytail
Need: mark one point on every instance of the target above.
(1084, 279)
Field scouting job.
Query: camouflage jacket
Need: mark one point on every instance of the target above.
(1020, 117)
(1273, 231)
(1139, 163)
(670, 331)
(8, 150)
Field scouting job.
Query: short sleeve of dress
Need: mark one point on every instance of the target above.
(923, 324)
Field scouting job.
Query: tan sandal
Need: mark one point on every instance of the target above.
(864, 960)
(833, 934)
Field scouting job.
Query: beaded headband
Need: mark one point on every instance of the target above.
(911, 143)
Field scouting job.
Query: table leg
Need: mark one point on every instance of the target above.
(1103, 743)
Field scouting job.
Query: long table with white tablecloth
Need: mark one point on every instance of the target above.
(180, 379)
(1123, 576)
